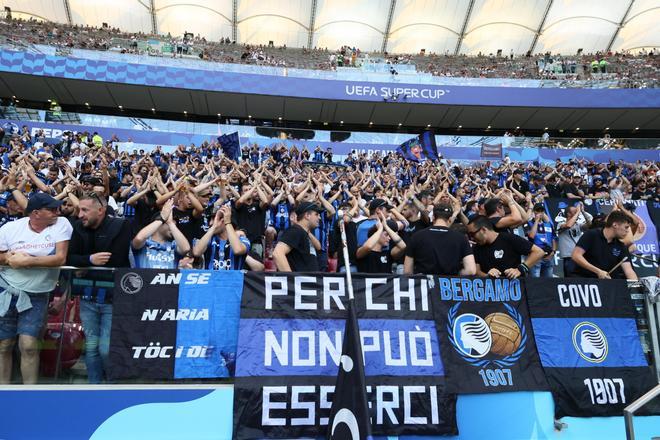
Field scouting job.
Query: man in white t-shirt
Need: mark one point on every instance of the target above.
(40, 240)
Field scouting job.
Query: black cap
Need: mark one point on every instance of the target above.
(378, 203)
(442, 210)
(517, 171)
(539, 207)
(94, 181)
(41, 200)
(308, 206)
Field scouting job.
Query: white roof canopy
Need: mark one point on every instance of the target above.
(399, 26)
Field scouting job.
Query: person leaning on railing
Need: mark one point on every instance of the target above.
(98, 240)
(39, 240)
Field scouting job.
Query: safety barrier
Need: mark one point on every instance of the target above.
(62, 360)
(651, 299)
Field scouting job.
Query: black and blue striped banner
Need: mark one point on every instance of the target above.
(590, 349)
(289, 348)
(174, 324)
(485, 336)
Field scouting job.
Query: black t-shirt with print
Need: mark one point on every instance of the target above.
(252, 219)
(503, 253)
(601, 254)
(189, 226)
(376, 262)
(302, 257)
(438, 251)
(407, 233)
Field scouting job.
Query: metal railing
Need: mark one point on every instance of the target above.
(652, 307)
(647, 307)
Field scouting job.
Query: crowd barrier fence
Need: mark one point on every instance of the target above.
(58, 349)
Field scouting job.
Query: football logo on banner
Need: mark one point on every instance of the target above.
(483, 327)
(590, 342)
(500, 336)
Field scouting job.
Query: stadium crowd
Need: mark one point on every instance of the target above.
(625, 70)
(85, 204)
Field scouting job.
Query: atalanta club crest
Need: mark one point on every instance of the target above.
(131, 283)
(498, 339)
(590, 342)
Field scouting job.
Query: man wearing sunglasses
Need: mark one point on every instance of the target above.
(499, 254)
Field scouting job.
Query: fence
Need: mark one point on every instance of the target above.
(62, 359)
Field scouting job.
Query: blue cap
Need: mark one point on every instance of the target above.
(40, 201)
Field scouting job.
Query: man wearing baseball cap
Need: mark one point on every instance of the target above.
(40, 240)
(295, 251)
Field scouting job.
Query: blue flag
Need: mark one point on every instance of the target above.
(231, 145)
(589, 345)
(419, 148)
(349, 415)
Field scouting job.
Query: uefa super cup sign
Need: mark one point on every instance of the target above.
(396, 93)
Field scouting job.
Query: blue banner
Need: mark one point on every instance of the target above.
(392, 347)
(419, 148)
(222, 297)
(174, 324)
(611, 342)
(485, 336)
(590, 349)
(290, 344)
(231, 145)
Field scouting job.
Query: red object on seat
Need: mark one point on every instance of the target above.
(71, 335)
(332, 265)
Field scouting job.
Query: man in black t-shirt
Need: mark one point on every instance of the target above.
(518, 184)
(416, 221)
(499, 253)
(571, 188)
(599, 251)
(641, 192)
(376, 255)
(188, 215)
(295, 252)
(250, 213)
(552, 186)
(437, 250)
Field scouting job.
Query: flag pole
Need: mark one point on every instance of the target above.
(347, 263)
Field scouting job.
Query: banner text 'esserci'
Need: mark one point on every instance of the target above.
(290, 344)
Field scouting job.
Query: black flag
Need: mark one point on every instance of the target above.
(349, 416)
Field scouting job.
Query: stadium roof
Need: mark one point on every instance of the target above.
(399, 26)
